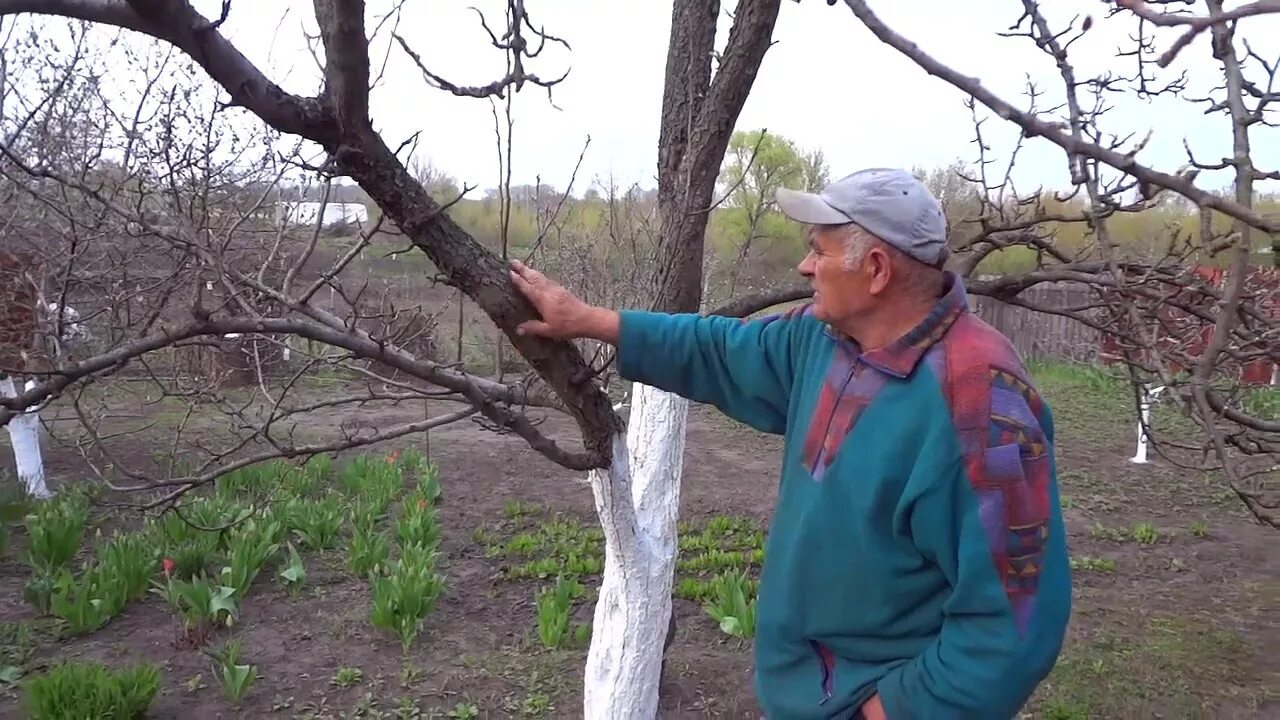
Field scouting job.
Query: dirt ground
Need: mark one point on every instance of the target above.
(1173, 588)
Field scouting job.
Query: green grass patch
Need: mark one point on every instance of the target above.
(80, 689)
(532, 545)
(1173, 667)
(1097, 402)
(718, 566)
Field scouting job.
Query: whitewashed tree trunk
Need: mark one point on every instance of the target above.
(1149, 396)
(24, 435)
(638, 500)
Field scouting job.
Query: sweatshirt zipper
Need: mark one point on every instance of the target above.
(831, 416)
(827, 661)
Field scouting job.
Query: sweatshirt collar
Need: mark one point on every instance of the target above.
(900, 357)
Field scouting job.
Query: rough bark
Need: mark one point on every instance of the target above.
(482, 276)
(698, 116)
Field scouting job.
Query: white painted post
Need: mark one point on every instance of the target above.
(1148, 396)
(24, 434)
(638, 501)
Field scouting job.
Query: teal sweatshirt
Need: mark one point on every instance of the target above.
(917, 547)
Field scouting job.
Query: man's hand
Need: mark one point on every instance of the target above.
(564, 316)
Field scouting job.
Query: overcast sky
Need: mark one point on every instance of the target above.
(826, 83)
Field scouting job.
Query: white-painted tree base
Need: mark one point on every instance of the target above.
(1149, 396)
(638, 500)
(24, 434)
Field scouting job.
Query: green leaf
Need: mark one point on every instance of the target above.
(223, 599)
(730, 625)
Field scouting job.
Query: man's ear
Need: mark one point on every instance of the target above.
(879, 268)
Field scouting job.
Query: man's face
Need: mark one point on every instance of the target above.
(841, 294)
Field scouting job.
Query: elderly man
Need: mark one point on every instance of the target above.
(916, 565)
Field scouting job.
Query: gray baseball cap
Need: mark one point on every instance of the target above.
(889, 203)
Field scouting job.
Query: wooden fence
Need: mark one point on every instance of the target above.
(1039, 335)
(1045, 336)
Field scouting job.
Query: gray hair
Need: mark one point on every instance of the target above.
(916, 278)
(857, 242)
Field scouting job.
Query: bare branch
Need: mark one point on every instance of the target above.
(751, 304)
(483, 394)
(186, 484)
(497, 88)
(1034, 126)
(363, 155)
(1196, 24)
(516, 46)
(179, 24)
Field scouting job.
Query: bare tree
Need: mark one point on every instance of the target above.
(165, 243)
(227, 274)
(1170, 319)
(337, 120)
(699, 110)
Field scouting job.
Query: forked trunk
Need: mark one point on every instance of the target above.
(638, 500)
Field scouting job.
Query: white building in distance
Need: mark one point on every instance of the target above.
(305, 213)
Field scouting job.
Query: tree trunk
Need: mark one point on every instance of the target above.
(638, 500)
(24, 435)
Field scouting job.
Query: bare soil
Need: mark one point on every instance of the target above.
(1170, 624)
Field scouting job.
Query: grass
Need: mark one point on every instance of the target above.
(1093, 402)
(1119, 661)
(1168, 667)
(1094, 412)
